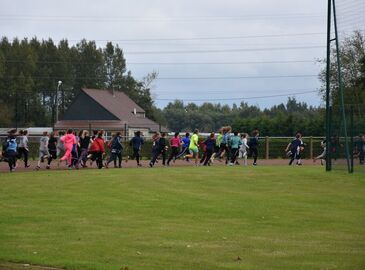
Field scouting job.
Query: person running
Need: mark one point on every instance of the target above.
(175, 147)
(52, 149)
(98, 149)
(9, 150)
(253, 146)
(295, 147)
(209, 149)
(23, 148)
(92, 149)
(235, 143)
(156, 150)
(224, 145)
(68, 140)
(243, 148)
(60, 147)
(185, 142)
(84, 143)
(360, 148)
(136, 143)
(116, 150)
(322, 156)
(194, 147)
(163, 147)
(217, 147)
(75, 152)
(43, 149)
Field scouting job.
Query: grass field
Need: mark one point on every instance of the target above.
(184, 218)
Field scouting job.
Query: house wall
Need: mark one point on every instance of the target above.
(145, 132)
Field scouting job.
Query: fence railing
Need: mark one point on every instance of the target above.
(269, 147)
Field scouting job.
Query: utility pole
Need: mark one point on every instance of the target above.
(328, 112)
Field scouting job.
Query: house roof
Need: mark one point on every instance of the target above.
(116, 102)
(121, 106)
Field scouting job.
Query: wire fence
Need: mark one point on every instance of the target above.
(346, 109)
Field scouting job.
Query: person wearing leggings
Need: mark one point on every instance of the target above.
(175, 147)
(235, 144)
(23, 149)
(136, 143)
(116, 151)
(209, 149)
(52, 149)
(254, 144)
(185, 146)
(10, 151)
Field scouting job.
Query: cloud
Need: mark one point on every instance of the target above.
(116, 20)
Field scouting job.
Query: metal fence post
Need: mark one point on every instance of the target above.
(267, 147)
(311, 147)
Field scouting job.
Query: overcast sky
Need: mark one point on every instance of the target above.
(220, 42)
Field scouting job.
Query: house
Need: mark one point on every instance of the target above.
(94, 109)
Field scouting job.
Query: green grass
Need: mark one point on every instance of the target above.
(184, 218)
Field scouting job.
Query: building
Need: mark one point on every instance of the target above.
(94, 109)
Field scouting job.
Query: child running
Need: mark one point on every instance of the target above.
(156, 150)
(322, 156)
(116, 151)
(243, 148)
(52, 149)
(68, 140)
(295, 148)
(99, 149)
(209, 149)
(224, 145)
(253, 145)
(194, 147)
(175, 146)
(235, 143)
(136, 143)
(43, 149)
(92, 149)
(60, 147)
(9, 150)
(185, 146)
(84, 143)
(23, 149)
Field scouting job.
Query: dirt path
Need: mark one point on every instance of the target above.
(132, 164)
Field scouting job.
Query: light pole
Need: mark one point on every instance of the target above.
(58, 89)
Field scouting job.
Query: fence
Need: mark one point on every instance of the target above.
(269, 147)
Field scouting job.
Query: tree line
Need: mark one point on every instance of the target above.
(31, 69)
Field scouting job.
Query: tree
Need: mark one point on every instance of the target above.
(352, 53)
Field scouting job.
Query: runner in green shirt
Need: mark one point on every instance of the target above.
(194, 147)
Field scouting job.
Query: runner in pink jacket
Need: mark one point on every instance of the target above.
(68, 141)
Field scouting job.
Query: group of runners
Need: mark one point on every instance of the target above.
(222, 146)
(77, 149)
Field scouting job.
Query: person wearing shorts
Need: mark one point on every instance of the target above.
(194, 147)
